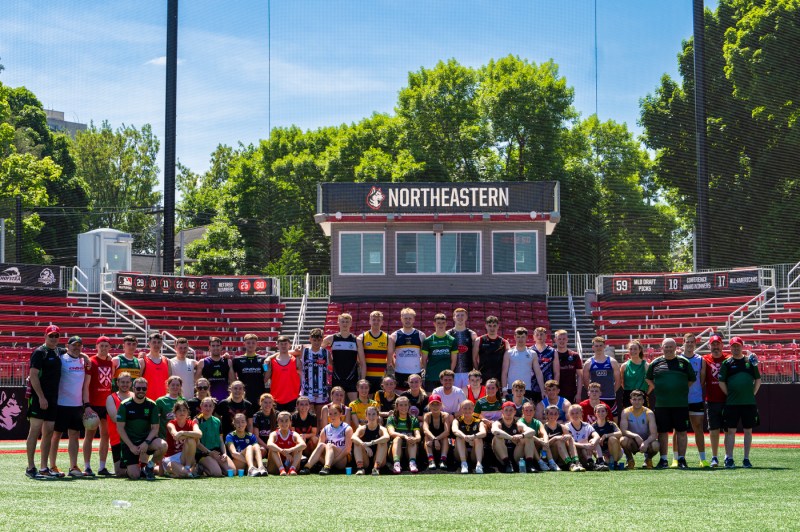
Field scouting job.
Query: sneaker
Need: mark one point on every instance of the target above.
(376, 472)
(746, 463)
(431, 465)
(361, 472)
(443, 465)
(412, 466)
(105, 473)
(590, 465)
(305, 471)
(52, 472)
(478, 469)
(283, 473)
(464, 469)
(714, 462)
(88, 472)
(32, 473)
(601, 466)
(292, 472)
(149, 472)
(325, 471)
(509, 468)
(262, 471)
(682, 463)
(575, 467)
(553, 465)
(252, 472)
(612, 465)
(648, 463)
(704, 464)
(397, 469)
(75, 472)
(543, 465)
(662, 464)
(729, 463)
(674, 464)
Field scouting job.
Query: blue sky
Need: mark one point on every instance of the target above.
(331, 61)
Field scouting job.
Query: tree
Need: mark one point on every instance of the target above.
(120, 169)
(218, 252)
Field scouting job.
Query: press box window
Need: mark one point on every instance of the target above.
(361, 253)
(514, 252)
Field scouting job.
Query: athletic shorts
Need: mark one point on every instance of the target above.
(612, 403)
(747, 414)
(374, 384)
(402, 380)
(716, 421)
(461, 380)
(429, 386)
(349, 385)
(626, 399)
(670, 418)
(697, 409)
(170, 459)
(127, 458)
(289, 407)
(35, 411)
(101, 411)
(534, 396)
(69, 418)
(116, 452)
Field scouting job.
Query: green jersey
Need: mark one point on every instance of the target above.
(404, 425)
(138, 417)
(671, 379)
(210, 429)
(164, 406)
(439, 349)
(491, 410)
(534, 424)
(740, 376)
(634, 376)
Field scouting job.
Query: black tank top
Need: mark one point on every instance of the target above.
(464, 343)
(371, 435)
(558, 431)
(216, 372)
(490, 357)
(433, 428)
(513, 430)
(345, 358)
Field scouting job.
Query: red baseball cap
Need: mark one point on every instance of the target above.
(509, 403)
(435, 398)
(51, 329)
(736, 340)
(103, 339)
(715, 338)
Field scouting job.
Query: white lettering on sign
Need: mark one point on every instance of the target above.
(449, 197)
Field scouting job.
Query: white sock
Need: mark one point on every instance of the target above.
(464, 464)
(102, 464)
(702, 455)
(87, 464)
(674, 456)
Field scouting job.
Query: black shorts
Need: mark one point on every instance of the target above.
(127, 458)
(101, 411)
(69, 418)
(612, 404)
(536, 397)
(747, 414)
(116, 452)
(429, 386)
(402, 380)
(289, 407)
(697, 409)
(626, 399)
(35, 411)
(672, 418)
(199, 455)
(374, 384)
(716, 421)
(349, 385)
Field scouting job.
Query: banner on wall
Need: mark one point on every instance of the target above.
(680, 284)
(30, 276)
(140, 283)
(13, 407)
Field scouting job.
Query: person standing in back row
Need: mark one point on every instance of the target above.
(249, 369)
(348, 363)
(438, 349)
(155, 368)
(215, 369)
(45, 374)
(490, 351)
(603, 370)
(184, 367)
(466, 343)
(98, 382)
(374, 348)
(407, 358)
(127, 362)
(739, 379)
(548, 363)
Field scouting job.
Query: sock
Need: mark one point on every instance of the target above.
(102, 464)
(430, 458)
(360, 465)
(281, 469)
(675, 456)
(507, 461)
(702, 455)
(412, 461)
(663, 456)
(747, 456)
(396, 458)
(150, 463)
(87, 465)
(444, 458)
(600, 461)
(464, 464)
(681, 458)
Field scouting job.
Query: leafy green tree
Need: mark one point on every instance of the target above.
(218, 252)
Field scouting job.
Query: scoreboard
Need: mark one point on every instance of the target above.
(680, 284)
(140, 283)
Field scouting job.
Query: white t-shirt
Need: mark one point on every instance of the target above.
(520, 366)
(581, 435)
(185, 370)
(451, 403)
(70, 387)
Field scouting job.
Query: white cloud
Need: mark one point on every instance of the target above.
(161, 61)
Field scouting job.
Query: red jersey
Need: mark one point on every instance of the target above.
(100, 385)
(156, 374)
(284, 443)
(284, 381)
(471, 396)
(588, 412)
(713, 392)
(113, 433)
(174, 446)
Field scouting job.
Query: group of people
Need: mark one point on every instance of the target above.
(454, 400)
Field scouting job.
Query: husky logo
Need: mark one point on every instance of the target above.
(375, 198)
(47, 277)
(9, 411)
(11, 275)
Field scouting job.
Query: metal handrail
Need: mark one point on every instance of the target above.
(573, 318)
(76, 280)
(710, 331)
(791, 282)
(761, 300)
(301, 316)
(145, 328)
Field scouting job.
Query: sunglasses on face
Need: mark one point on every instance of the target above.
(54, 335)
(140, 389)
(202, 387)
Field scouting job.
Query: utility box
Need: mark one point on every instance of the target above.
(101, 252)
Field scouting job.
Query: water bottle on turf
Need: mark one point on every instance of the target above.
(120, 504)
(521, 465)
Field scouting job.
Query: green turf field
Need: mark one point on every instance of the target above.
(764, 498)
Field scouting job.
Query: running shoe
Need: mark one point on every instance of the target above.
(252, 472)
(601, 466)
(478, 469)
(443, 465)
(88, 472)
(674, 464)
(553, 465)
(325, 471)
(704, 464)
(32, 473)
(543, 465)
(509, 468)
(53, 472)
(361, 472)
(612, 465)
(662, 464)
(149, 472)
(412, 466)
(375, 472)
(682, 463)
(262, 472)
(305, 471)
(729, 463)
(74, 472)
(105, 473)
(283, 473)
(648, 463)
(575, 467)
(714, 462)
(397, 468)
(292, 472)
(746, 463)
(630, 464)
(590, 465)
(464, 469)
(431, 465)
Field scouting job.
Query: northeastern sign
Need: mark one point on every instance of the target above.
(680, 284)
(451, 198)
(140, 283)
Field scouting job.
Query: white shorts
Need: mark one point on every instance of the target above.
(175, 458)
(461, 380)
